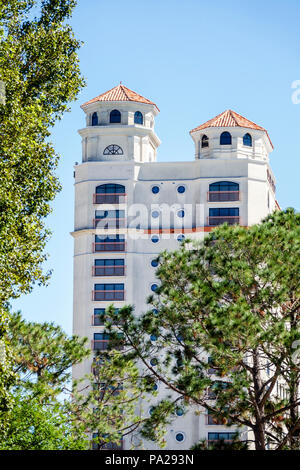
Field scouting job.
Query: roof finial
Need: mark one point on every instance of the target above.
(121, 82)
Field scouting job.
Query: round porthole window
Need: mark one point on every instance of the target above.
(154, 263)
(181, 189)
(155, 387)
(155, 214)
(155, 239)
(155, 311)
(154, 361)
(180, 436)
(151, 410)
(154, 287)
(179, 411)
(153, 338)
(155, 189)
(180, 213)
(180, 237)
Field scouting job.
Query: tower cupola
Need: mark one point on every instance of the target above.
(230, 135)
(119, 127)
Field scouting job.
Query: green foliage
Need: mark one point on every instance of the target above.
(35, 426)
(40, 417)
(39, 68)
(43, 355)
(235, 298)
(39, 75)
(111, 408)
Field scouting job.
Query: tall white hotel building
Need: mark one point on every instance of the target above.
(228, 180)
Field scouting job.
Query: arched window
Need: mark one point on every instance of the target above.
(223, 191)
(113, 150)
(247, 140)
(138, 118)
(115, 117)
(204, 141)
(95, 119)
(110, 188)
(225, 138)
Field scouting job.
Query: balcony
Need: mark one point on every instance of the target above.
(110, 223)
(109, 246)
(223, 196)
(108, 271)
(219, 220)
(111, 198)
(108, 295)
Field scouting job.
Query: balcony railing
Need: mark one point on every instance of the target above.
(108, 223)
(108, 271)
(112, 198)
(100, 344)
(108, 295)
(109, 246)
(223, 196)
(219, 220)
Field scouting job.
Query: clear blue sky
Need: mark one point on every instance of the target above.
(194, 58)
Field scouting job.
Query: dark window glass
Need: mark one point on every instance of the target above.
(113, 150)
(110, 214)
(110, 189)
(109, 238)
(179, 437)
(95, 119)
(155, 239)
(181, 189)
(115, 117)
(224, 212)
(138, 117)
(109, 287)
(109, 262)
(224, 186)
(247, 140)
(154, 263)
(225, 138)
(204, 141)
(101, 337)
(155, 189)
(221, 436)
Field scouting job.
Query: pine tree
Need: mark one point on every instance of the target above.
(235, 299)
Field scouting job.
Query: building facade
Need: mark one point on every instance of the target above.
(129, 208)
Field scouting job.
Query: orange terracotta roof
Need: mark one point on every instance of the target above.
(230, 118)
(120, 93)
